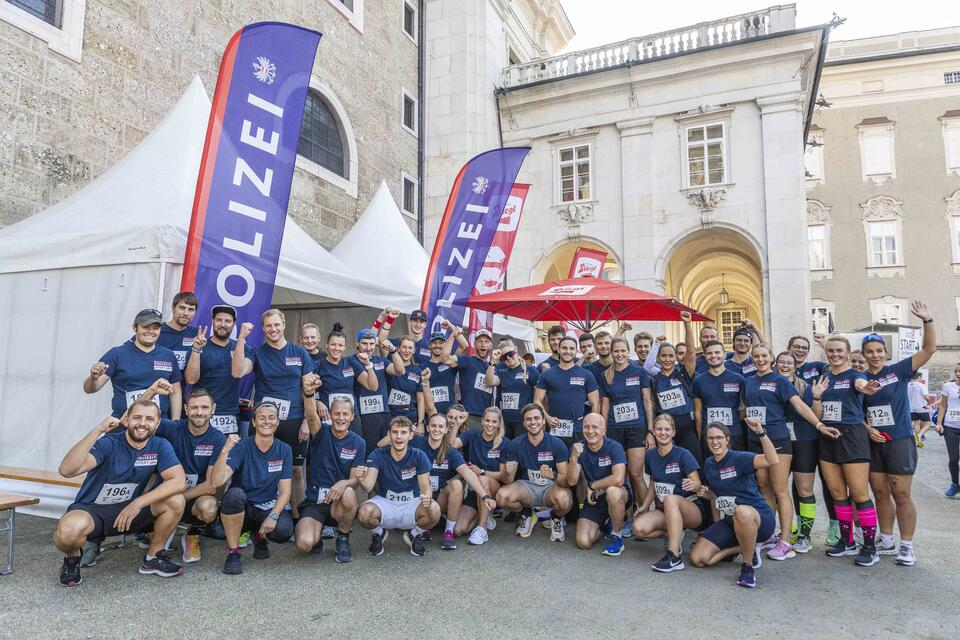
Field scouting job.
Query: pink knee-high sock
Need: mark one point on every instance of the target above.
(868, 521)
(845, 518)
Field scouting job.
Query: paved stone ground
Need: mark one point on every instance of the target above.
(509, 586)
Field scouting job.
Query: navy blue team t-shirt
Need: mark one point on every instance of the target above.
(475, 395)
(123, 471)
(443, 377)
(597, 465)
(516, 389)
(402, 398)
(745, 368)
(766, 398)
(440, 472)
(721, 397)
(215, 377)
(888, 410)
(180, 342)
(671, 394)
(371, 402)
(132, 370)
(668, 471)
(625, 393)
(258, 472)
(567, 391)
(331, 460)
(810, 371)
(278, 375)
(529, 457)
(733, 480)
(480, 452)
(196, 453)
(397, 479)
(841, 402)
(336, 380)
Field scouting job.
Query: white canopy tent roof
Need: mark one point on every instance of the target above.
(381, 248)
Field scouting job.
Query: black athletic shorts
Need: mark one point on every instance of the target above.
(723, 535)
(706, 512)
(513, 429)
(104, 516)
(601, 511)
(630, 437)
(289, 432)
(852, 446)
(782, 445)
(897, 457)
(316, 511)
(806, 456)
(921, 416)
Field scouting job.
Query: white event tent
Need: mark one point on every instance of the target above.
(73, 276)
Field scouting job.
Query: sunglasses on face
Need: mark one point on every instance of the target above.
(507, 356)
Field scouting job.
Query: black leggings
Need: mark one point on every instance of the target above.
(952, 437)
(686, 436)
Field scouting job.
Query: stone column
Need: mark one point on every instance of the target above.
(786, 277)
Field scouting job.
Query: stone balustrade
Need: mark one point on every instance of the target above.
(653, 46)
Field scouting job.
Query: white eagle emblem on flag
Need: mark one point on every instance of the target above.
(480, 184)
(264, 70)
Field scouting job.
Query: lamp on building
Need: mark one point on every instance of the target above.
(724, 296)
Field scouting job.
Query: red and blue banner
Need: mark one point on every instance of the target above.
(243, 188)
(470, 221)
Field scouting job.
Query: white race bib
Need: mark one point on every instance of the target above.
(953, 415)
(224, 424)
(832, 411)
(671, 398)
(322, 494)
(440, 394)
(535, 478)
(266, 506)
(726, 505)
(723, 415)
(880, 416)
(116, 493)
(402, 496)
(347, 397)
(371, 404)
(625, 412)
(510, 401)
(181, 357)
(192, 480)
(283, 406)
(757, 413)
(434, 482)
(479, 384)
(793, 435)
(398, 398)
(663, 489)
(133, 396)
(564, 429)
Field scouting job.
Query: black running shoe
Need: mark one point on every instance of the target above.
(317, 548)
(868, 556)
(415, 543)
(260, 549)
(668, 563)
(214, 530)
(427, 535)
(70, 572)
(343, 553)
(842, 549)
(233, 565)
(161, 566)
(376, 543)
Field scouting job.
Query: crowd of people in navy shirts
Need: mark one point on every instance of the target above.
(406, 432)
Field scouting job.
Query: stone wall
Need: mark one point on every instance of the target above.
(65, 123)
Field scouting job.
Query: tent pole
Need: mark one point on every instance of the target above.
(161, 284)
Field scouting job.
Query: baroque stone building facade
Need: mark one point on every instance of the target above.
(87, 79)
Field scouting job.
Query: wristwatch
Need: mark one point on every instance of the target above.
(762, 433)
(274, 516)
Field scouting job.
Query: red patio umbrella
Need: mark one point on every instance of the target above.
(582, 302)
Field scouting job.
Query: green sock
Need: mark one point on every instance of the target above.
(808, 512)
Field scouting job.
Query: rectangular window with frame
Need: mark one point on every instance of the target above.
(884, 245)
(729, 321)
(409, 113)
(410, 19)
(575, 173)
(888, 312)
(951, 77)
(47, 10)
(817, 246)
(820, 316)
(705, 155)
(409, 195)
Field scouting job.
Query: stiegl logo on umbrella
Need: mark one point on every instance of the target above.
(577, 290)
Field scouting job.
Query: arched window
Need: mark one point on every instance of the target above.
(321, 139)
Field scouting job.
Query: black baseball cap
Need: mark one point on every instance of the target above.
(147, 317)
(223, 308)
(743, 331)
(418, 314)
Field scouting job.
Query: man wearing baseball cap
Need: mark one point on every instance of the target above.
(136, 364)
(475, 395)
(416, 325)
(744, 338)
(370, 387)
(443, 377)
(209, 367)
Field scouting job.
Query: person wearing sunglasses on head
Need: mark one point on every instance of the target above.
(515, 381)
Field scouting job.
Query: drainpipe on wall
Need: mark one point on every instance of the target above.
(421, 130)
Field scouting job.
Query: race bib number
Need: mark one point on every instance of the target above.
(671, 399)
(116, 493)
(723, 415)
(266, 506)
(371, 404)
(663, 489)
(181, 357)
(434, 482)
(726, 505)
(832, 411)
(793, 434)
(400, 496)
(440, 394)
(880, 416)
(133, 396)
(398, 398)
(510, 401)
(625, 412)
(757, 413)
(192, 480)
(479, 385)
(346, 397)
(534, 477)
(283, 406)
(322, 494)
(224, 424)
(564, 429)
(953, 415)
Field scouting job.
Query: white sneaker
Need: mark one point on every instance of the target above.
(557, 533)
(491, 523)
(478, 536)
(328, 533)
(886, 548)
(906, 557)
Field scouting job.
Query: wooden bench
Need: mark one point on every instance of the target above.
(8, 511)
(42, 477)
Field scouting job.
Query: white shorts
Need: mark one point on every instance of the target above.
(396, 515)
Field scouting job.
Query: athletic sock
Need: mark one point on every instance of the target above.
(907, 543)
(149, 557)
(868, 522)
(808, 513)
(449, 526)
(233, 549)
(417, 531)
(886, 539)
(845, 519)
(378, 531)
(342, 534)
